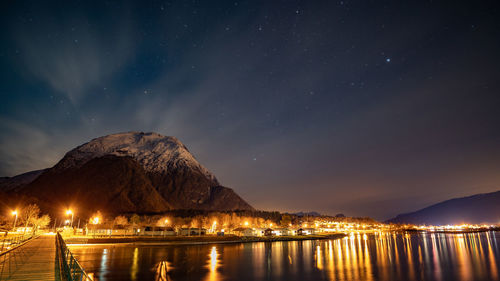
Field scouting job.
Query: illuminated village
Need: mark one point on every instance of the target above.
(215, 225)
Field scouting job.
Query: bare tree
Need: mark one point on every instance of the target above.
(29, 214)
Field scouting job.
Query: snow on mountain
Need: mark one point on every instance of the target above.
(156, 153)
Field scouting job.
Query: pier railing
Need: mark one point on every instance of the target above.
(70, 268)
(10, 242)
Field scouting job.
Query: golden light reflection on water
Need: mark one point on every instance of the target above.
(318, 256)
(491, 258)
(162, 269)
(213, 264)
(384, 256)
(135, 267)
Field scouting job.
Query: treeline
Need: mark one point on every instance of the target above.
(194, 218)
(219, 219)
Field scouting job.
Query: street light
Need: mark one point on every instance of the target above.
(69, 212)
(14, 213)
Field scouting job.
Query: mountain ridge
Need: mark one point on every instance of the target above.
(473, 209)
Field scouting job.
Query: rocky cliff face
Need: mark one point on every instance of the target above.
(133, 172)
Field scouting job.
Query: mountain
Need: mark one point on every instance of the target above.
(307, 214)
(476, 209)
(131, 172)
(12, 183)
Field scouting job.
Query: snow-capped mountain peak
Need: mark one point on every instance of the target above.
(155, 152)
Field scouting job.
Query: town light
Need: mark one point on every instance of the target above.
(214, 227)
(246, 223)
(95, 220)
(14, 213)
(69, 212)
(166, 221)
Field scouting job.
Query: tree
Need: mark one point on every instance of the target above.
(29, 214)
(135, 219)
(120, 220)
(286, 220)
(40, 222)
(96, 218)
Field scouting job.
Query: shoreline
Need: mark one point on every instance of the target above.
(191, 240)
(453, 231)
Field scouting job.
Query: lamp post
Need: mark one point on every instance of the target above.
(69, 212)
(14, 213)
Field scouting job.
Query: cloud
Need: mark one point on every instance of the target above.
(25, 148)
(71, 55)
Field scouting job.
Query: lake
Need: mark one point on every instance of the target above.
(383, 256)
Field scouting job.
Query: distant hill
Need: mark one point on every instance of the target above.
(124, 173)
(13, 183)
(307, 214)
(476, 209)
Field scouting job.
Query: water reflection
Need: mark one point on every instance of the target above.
(135, 266)
(372, 257)
(213, 262)
(162, 269)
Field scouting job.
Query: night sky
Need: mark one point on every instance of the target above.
(369, 108)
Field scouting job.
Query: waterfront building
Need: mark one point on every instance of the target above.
(192, 231)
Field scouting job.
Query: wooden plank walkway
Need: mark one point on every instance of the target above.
(35, 260)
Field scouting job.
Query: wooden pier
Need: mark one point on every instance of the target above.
(35, 260)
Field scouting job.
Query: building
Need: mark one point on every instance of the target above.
(244, 231)
(284, 232)
(268, 232)
(108, 230)
(247, 231)
(192, 231)
(259, 231)
(157, 231)
(306, 231)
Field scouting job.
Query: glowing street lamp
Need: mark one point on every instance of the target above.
(214, 227)
(246, 223)
(14, 213)
(69, 212)
(166, 221)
